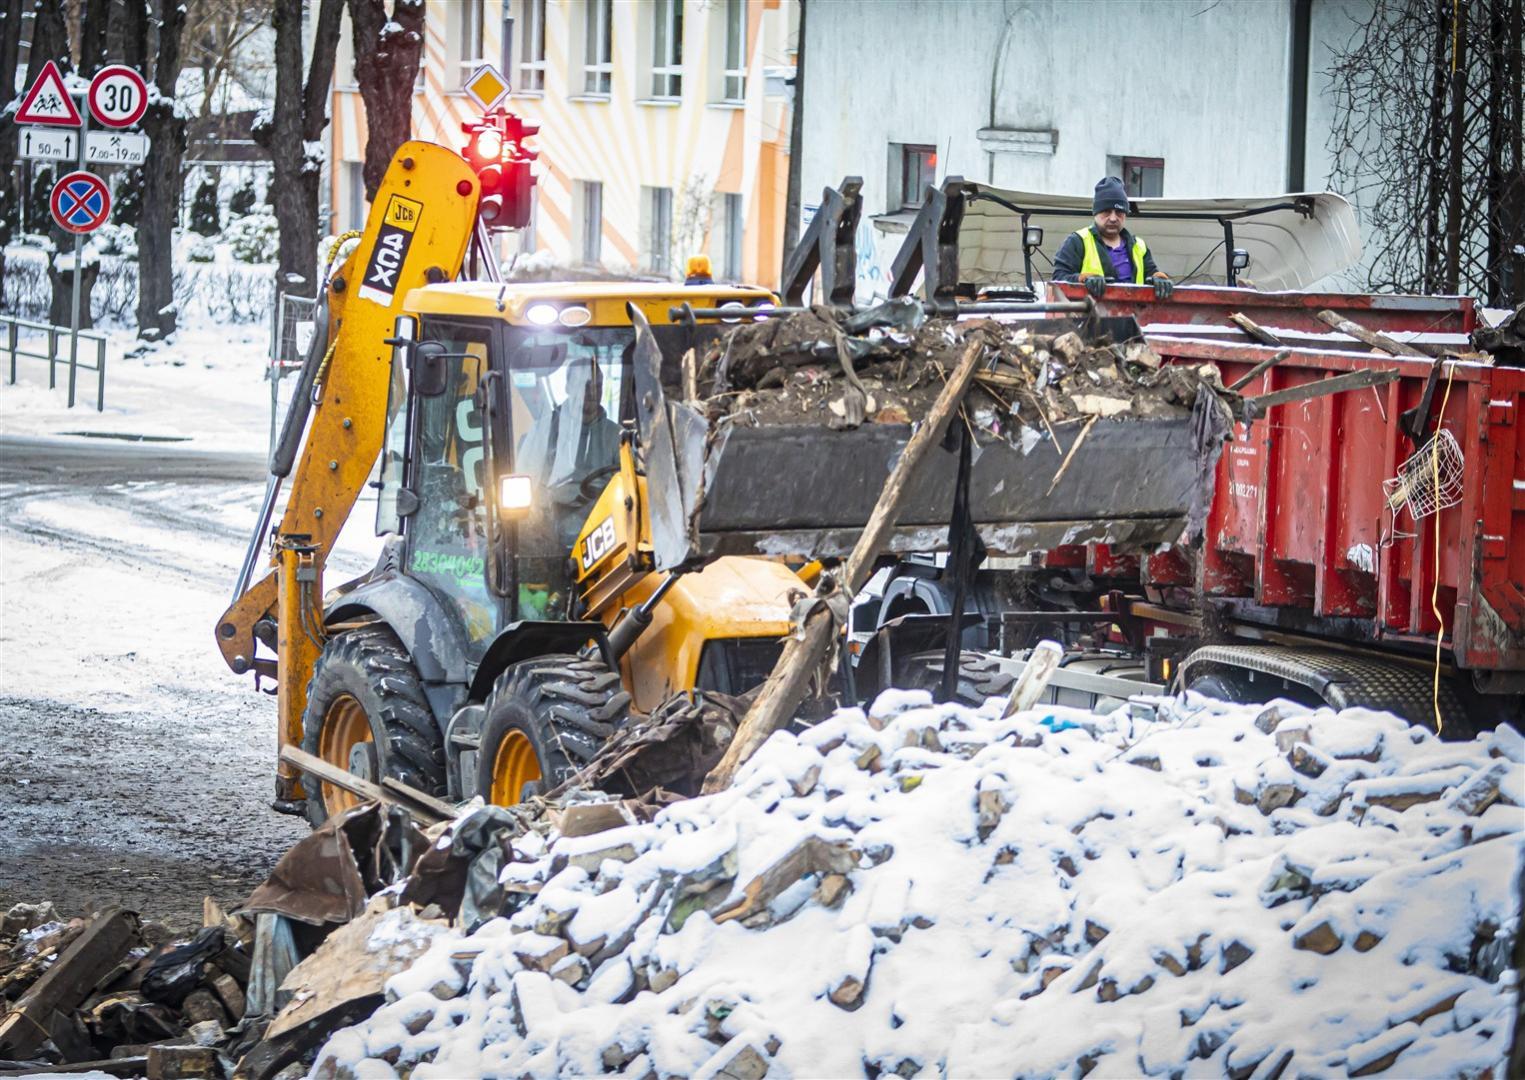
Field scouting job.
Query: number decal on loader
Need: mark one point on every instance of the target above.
(598, 543)
(391, 250)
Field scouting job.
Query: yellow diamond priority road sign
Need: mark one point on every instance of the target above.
(487, 87)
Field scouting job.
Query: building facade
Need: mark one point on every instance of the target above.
(1181, 99)
(664, 126)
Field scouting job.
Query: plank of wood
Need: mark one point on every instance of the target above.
(87, 960)
(421, 805)
(781, 695)
(1254, 329)
(122, 1066)
(1356, 380)
(1370, 337)
(1260, 369)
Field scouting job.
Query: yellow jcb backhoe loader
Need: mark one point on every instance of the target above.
(476, 657)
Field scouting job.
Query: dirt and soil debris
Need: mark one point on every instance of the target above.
(886, 365)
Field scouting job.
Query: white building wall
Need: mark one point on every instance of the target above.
(1203, 86)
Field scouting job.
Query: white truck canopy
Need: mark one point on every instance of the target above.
(1293, 240)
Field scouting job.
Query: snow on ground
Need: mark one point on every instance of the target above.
(1154, 892)
(207, 386)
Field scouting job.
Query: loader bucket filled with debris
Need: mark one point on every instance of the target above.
(791, 426)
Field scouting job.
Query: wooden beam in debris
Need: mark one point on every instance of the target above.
(803, 654)
(89, 958)
(1370, 337)
(1260, 369)
(420, 804)
(1357, 380)
(1255, 330)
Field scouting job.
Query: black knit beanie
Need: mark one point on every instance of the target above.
(1110, 195)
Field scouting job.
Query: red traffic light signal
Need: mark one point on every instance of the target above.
(497, 153)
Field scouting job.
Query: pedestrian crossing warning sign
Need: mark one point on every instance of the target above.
(391, 250)
(486, 87)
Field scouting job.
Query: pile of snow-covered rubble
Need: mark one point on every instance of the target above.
(1182, 887)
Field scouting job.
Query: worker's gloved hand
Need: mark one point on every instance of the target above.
(1094, 284)
(1163, 287)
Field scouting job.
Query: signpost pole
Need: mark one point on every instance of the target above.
(79, 268)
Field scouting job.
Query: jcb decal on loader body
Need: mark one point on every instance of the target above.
(598, 543)
(392, 241)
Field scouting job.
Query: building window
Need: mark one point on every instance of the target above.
(735, 78)
(590, 200)
(667, 49)
(730, 266)
(354, 180)
(598, 52)
(532, 47)
(918, 170)
(659, 230)
(1143, 177)
(470, 56)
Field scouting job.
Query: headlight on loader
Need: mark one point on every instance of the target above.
(515, 495)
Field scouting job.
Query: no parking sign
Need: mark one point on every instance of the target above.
(81, 202)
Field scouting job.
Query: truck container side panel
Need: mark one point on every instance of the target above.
(1290, 518)
(1394, 566)
(1104, 562)
(1299, 515)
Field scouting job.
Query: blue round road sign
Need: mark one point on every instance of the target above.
(81, 202)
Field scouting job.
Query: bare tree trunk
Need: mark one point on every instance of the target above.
(301, 114)
(10, 57)
(1434, 174)
(156, 314)
(92, 36)
(387, 52)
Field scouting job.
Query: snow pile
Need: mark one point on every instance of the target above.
(1180, 887)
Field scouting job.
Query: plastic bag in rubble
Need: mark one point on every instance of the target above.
(460, 875)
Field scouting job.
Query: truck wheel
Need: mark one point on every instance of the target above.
(546, 718)
(366, 714)
(979, 676)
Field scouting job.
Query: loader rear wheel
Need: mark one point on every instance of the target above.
(367, 715)
(546, 718)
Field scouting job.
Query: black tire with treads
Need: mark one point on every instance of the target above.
(371, 665)
(565, 705)
(980, 676)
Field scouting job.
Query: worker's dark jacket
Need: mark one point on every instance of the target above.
(1072, 255)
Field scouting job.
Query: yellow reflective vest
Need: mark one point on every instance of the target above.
(1092, 264)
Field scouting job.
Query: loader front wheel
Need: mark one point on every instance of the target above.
(366, 714)
(546, 718)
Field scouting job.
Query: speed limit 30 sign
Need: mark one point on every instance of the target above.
(118, 96)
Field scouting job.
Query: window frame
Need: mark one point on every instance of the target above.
(659, 203)
(469, 57)
(598, 33)
(733, 30)
(666, 72)
(733, 217)
(591, 251)
(531, 68)
(1152, 164)
(905, 198)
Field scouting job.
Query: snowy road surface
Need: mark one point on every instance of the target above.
(134, 768)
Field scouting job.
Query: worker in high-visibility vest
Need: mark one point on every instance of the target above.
(1106, 251)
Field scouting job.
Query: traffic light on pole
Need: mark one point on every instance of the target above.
(497, 152)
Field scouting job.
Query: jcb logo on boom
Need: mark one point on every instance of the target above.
(379, 282)
(599, 543)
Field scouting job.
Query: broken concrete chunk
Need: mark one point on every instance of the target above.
(1273, 797)
(1399, 793)
(1272, 715)
(1234, 953)
(736, 1060)
(831, 890)
(571, 969)
(1291, 732)
(1366, 941)
(585, 819)
(1309, 760)
(990, 807)
(805, 783)
(1320, 939)
(591, 860)
(1095, 932)
(1145, 761)
(856, 961)
(1480, 790)
(181, 1062)
(1381, 1053)
(539, 952)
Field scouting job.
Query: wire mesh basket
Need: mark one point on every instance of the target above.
(1430, 480)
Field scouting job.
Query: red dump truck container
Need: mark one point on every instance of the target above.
(1313, 538)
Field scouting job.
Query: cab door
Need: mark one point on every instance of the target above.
(447, 548)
